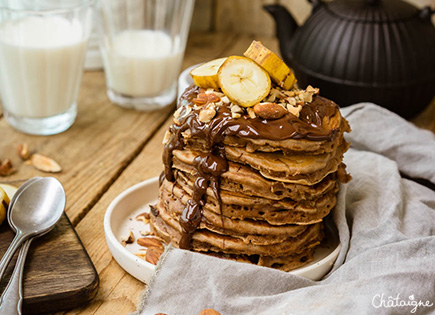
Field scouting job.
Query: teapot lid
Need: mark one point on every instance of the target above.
(373, 10)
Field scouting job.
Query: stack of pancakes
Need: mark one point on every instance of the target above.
(261, 192)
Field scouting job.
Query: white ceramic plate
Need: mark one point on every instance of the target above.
(185, 80)
(120, 219)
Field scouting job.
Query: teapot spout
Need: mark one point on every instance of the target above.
(285, 25)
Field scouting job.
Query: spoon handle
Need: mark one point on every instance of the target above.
(12, 298)
(16, 242)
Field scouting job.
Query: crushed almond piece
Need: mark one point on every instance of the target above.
(166, 137)
(6, 168)
(207, 113)
(187, 134)
(251, 112)
(313, 90)
(141, 254)
(294, 110)
(144, 217)
(128, 239)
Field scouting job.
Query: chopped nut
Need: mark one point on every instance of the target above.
(153, 254)
(6, 168)
(177, 113)
(145, 233)
(150, 242)
(45, 164)
(187, 134)
(207, 113)
(269, 110)
(128, 239)
(251, 112)
(201, 99)
(141, 254)
(209, 311)
(236, 109)
(289, 93)
(144, 217)
(291, 101)
(213, 98)
(225, 99)
(166, 137)
(236, 115)
(312, 90)
(294, 110)
(23, 151)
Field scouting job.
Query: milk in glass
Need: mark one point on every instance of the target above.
(41, 62)
(141, 63)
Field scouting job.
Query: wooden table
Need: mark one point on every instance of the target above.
(109, 149)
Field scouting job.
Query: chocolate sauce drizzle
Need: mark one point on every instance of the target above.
(210, 166)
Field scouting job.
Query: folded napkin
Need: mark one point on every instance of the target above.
(386, 226)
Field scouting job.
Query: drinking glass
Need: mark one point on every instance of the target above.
(142, 45)
(42, 48)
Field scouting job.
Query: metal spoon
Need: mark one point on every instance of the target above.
(35, 212)
(11, 251)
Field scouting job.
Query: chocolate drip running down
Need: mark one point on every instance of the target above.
(209, 166)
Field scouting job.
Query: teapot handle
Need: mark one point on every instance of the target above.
(426, 13)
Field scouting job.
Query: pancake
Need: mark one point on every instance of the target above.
(169, 230)
(238, 206)
(246, 187)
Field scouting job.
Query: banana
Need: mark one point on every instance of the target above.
(206, 75)
(243, 81)
(4, 203)
(277, 69)
(6, 194)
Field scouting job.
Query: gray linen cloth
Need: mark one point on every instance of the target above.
(386, 226)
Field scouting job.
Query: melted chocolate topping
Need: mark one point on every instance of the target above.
(210, 166)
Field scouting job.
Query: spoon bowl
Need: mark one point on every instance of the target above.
(38, 207)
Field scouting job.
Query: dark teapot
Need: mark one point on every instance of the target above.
(380, 51)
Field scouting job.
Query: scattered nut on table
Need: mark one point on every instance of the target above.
(44, 163)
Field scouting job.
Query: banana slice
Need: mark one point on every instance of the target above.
(277, 69)
(206, 75)
(243, 81)
(4, 203)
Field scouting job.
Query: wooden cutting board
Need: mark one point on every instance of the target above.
(58, 274)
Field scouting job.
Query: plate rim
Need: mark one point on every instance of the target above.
(110, 237)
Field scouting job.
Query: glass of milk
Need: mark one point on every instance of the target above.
(142, 45)
(42, 47)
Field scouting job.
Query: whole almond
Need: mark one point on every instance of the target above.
(209, 311)
(201, 99)
(153, 254)
(150, 242)
(269, 110)
(45, 164)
